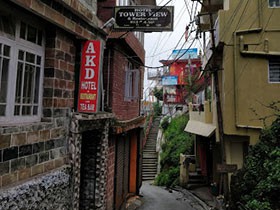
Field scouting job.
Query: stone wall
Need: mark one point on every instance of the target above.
(80, 124)
(111, 174)
(50, 191)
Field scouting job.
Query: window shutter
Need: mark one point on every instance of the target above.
(274, 70)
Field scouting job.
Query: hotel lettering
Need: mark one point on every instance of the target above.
(89, 75)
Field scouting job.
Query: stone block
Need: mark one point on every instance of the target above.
(5, 141)
(38, 147)
(25, 150)
(17, 164)
(37, 169)
(10, 153)
(55, 153)
(31, 160)
(43, 157)
(48, 166)
(24, 174)
(19, 139)
(4, 168)
(55, 133)
(59, 162)
(9, 179)
(45, 135)
(49, 145)
(38, 6)
(33, 137)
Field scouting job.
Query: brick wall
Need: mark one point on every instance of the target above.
(27, 151)
(123, 110)
(36, 148)
(111, 174)
(59, 75)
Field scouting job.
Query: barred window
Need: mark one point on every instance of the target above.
(274, 3)
(21, 69)
(274, 70)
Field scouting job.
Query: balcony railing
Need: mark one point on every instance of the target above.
(201, 112)
(157, 74)
(173, 99)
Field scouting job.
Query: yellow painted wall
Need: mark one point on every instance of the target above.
(244, 82)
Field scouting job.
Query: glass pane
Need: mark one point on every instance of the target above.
(2, 110)
(6, 50)
(4, 80)
(22, 30)
(17, 110)
(37, 80)
(30, 57)
(28, 83)
(40, 37)
(31, 34)
(38, 60)
(19, 82)
(21, 55)
(35, 110)
(26, 110)
(7, 25)
(1, 49)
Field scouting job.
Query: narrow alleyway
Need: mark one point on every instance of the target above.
(155, 197)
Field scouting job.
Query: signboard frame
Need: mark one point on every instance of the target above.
(169, 80)
(144, 18)
(90, 73)
(226, 168)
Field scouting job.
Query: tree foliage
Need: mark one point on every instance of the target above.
(257, 185)
(158, 93)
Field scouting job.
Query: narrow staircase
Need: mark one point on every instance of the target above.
(196, 179)
(150, 156)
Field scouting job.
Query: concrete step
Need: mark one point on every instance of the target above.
(150, 154)
(149, 165)
(149, 170)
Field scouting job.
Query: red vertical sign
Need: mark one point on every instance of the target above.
(89, 74)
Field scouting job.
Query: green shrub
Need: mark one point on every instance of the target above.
(256, 185)
(157, 109)
(168, 177)
(164, 123)
(176, 141)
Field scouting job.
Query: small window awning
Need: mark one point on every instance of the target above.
(200, 128)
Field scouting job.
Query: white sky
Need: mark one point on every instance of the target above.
(159, 45)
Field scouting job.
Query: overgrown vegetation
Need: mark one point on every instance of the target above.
(158, 93)
(176, 141)
(157, 109)
(257, 185)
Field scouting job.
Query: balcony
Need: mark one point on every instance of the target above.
(173, 99)
(201, 119)
(157, 74)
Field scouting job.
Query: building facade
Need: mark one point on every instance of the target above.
(245, 57)
(51, 155)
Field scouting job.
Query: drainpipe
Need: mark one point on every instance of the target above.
(235, 34)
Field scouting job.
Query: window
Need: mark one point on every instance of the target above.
(21, 65)
(140, 36)
(274, 3)
(274, 70)
(132, 76)
(126, 2)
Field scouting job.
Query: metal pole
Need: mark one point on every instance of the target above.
(224, 177)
